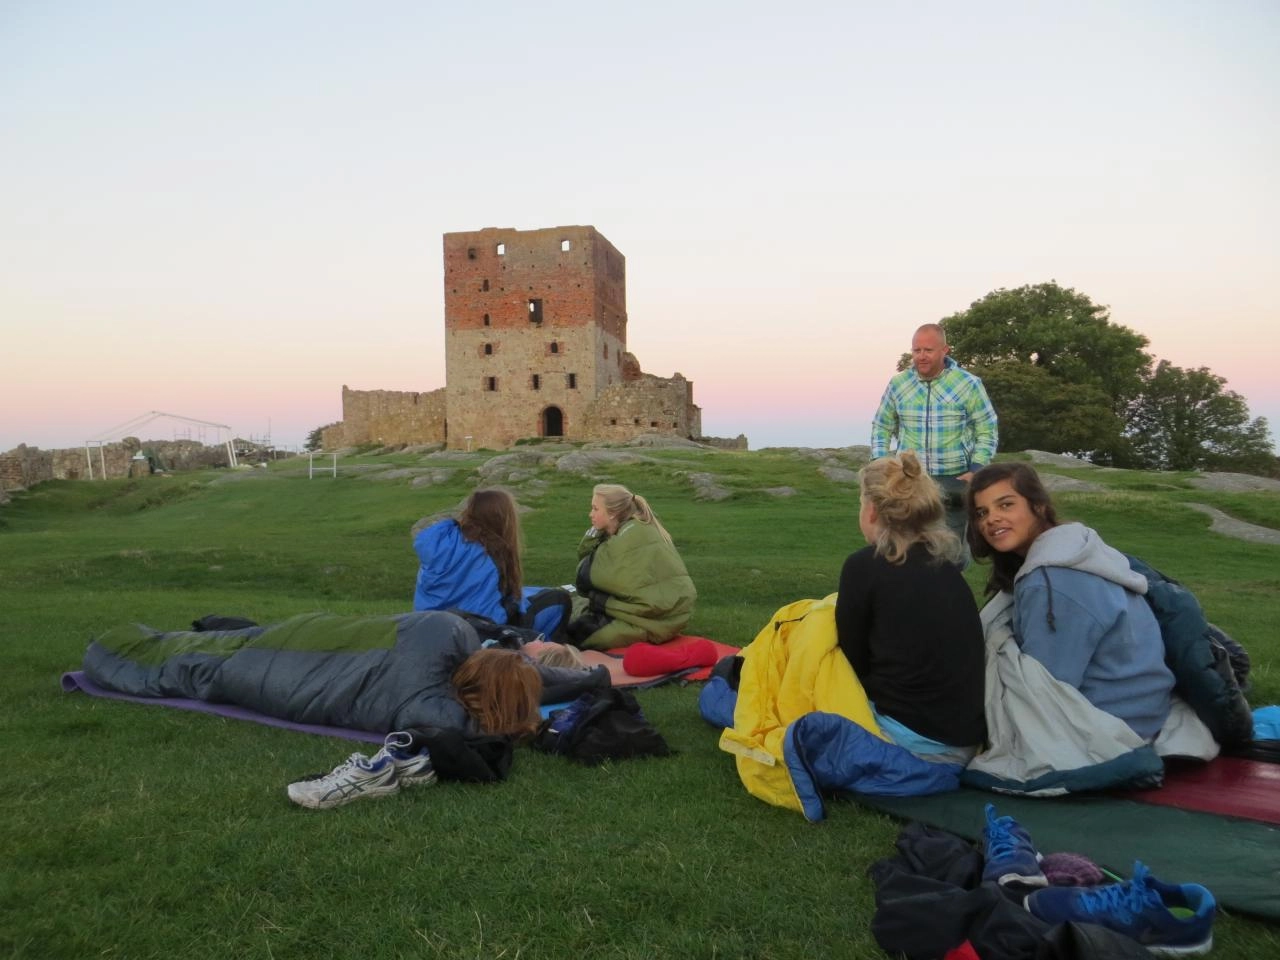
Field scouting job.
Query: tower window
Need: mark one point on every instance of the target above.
(606, 351)
(488, 349)
(613, 421)
(536, 382)
(491, 384)
(486, 284)
(571, 381)
(653, 423)
(502, 249)
(471, 253)
(555, 347)
(486, 316)
(535, 311)
(566, 246)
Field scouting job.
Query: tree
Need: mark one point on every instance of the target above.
(1039, 411)
(314, 439)
(1186, 420)
(1057, 330)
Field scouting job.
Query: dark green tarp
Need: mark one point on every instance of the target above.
(1239, 860)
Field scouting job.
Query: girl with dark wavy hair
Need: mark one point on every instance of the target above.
(1078, 607)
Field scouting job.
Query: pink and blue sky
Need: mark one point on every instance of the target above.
(228, 210)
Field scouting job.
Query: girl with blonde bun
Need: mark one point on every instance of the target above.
(906, 619)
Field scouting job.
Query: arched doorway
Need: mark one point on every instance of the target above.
(552, 422)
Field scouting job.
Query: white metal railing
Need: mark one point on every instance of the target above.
(312, 469)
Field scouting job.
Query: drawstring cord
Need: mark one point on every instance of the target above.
(1044, 572)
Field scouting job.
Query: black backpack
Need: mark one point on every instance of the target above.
(601, 725)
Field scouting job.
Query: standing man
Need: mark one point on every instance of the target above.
(942, 413)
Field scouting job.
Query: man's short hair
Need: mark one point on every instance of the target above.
(933, 328)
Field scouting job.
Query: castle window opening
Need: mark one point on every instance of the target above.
(635, 422)
(555, 347)
(606, 351)
(613, 421)
(536, 382)
(535, 311)
(471, 253)
(653, 423)
(571, 381)
(502, 249)
(491, 384)
(674, 425)
(486, 284)
(488, 349)
(486, 316)
(566, 246)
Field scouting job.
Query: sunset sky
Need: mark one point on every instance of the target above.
(227, 210)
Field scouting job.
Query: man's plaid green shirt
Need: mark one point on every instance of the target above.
(948, 422)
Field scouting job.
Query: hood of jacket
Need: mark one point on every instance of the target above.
(1077, 547)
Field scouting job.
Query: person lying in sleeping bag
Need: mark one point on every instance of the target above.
(375, 673)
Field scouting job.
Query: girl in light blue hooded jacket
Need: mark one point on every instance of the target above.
(1078, 607)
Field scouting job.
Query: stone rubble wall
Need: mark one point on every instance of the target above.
(388, 417)
(725, 443)
(25, 466)
(647, 405)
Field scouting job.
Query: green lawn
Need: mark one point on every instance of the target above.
(130, 831)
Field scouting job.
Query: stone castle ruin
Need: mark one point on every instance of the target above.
(535, 346)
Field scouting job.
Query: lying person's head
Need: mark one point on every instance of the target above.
(902, 506)
(501, 690)
(552, 654)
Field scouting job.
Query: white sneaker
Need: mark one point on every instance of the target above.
(412, 769)
(354, 779)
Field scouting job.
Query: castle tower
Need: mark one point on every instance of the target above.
(535, 329)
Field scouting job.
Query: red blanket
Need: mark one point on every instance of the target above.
(1228, 786)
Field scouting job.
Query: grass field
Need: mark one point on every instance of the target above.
(130, 831)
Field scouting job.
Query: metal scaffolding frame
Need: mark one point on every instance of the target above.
(127, 429)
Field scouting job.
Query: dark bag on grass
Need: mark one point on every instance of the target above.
(1206, 663)
(598, 726)
(454, 756)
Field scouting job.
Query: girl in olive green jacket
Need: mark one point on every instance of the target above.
(632, 584)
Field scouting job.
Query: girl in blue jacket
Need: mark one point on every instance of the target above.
(473, 564)
(1078, 607)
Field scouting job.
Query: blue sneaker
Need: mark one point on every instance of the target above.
(1011, 857)
(1170, 920)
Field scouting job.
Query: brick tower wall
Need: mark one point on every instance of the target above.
(535, 324)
